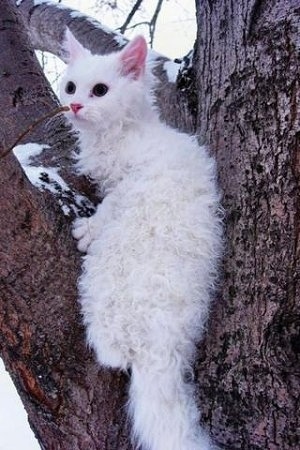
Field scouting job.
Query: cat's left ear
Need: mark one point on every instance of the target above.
(133, 58)
(72, 47)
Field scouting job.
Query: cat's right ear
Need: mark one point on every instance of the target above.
(72, 49)
(133, 58)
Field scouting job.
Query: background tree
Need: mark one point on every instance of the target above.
(241, 95)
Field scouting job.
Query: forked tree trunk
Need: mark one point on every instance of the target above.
(246, 68)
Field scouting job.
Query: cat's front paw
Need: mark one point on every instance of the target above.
(82, 232)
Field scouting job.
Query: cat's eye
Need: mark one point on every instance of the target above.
(70, 87)
(99, 90)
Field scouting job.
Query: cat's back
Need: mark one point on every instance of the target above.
(166, 157)
(168, 192)
(159, 226)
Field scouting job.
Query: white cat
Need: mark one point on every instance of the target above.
(152, 245)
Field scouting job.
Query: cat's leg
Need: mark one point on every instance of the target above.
(87, 229)
(83, 232)
(106, 340)
(111, 356)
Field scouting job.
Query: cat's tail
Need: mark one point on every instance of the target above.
(163, 411)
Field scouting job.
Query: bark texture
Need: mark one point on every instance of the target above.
(248, 67)
(71, 404)
(242, 97)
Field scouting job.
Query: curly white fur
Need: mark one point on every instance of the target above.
(151, 247)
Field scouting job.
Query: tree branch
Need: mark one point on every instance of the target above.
(32, 127)
(153, 21)
(136, 6)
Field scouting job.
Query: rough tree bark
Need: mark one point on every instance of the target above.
(246, 106)
(248, 65)
(70, 403)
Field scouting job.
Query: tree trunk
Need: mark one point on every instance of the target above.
(71, 403)
(248, 84)
(247, 108)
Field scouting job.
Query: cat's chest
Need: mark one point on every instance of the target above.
(109, 161)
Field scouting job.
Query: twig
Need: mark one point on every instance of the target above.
(32, 126)
(153, 21)
(137, 25)
(130, 16)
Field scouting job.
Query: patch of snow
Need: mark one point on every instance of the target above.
(172, 69)
(153, 59)
(40, 2)
(120, 39)
(78, 14)
(18, 2)
(66, 210)
(49, 2)
(152, 55)
(25, 152)
(15, 430)
(48, 178)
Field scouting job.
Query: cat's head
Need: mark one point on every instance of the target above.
(102, 90)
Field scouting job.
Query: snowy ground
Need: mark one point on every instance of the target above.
(15, 433)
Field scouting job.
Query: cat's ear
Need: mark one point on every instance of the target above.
(72, 48)
(133, 58)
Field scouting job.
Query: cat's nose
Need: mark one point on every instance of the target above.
(75, 107)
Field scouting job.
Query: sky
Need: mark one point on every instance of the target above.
(175, 35)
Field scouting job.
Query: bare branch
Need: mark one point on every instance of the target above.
(138, 24)
(37, 122)
(153, 21)
(136, 6)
